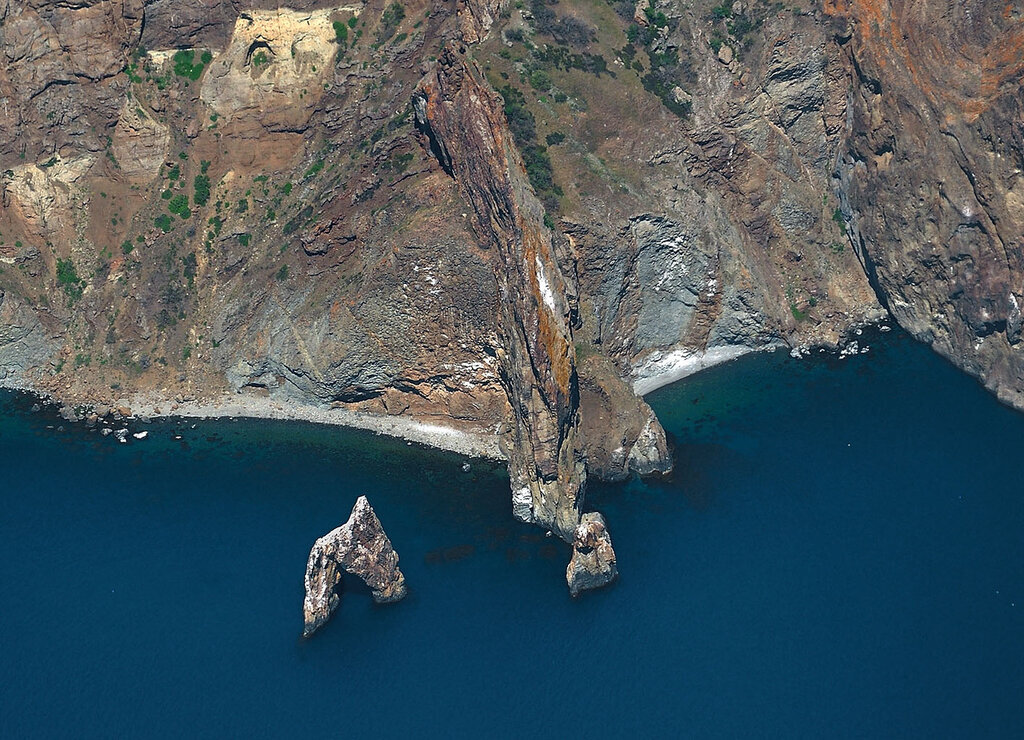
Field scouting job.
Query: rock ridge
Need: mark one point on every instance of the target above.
(463, 119)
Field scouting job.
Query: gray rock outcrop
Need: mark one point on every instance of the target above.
(360, 547)
(593, 559)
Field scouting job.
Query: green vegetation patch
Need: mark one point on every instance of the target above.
(667, 70)
(186, 66)
(564, 58)
(178, 205)
(293, 224)
(535, 156)
(67, 278)
(340, 33)
(390, 20)
(837, 216)
(317, 166)
(201, 185)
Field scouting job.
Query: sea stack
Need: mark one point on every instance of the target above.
(593, 559)
(360, 547)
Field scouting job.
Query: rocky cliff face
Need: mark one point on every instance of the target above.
(463, 121)
(501, 220)
(931, 174)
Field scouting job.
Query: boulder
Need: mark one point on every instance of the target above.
(593, 559)
(360, 547)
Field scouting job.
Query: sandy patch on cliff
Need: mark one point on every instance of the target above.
(44, 192)
(275, 65)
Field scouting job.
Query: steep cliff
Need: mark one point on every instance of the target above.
(499, 220)
(932, 174)
(463, 121)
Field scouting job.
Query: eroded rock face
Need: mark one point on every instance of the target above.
(932, 174)
(477, 16)
(593, 559)
(620, 432)
(360, 547)
(463, 119)
(273, 69)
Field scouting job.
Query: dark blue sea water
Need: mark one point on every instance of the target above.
(841, 553)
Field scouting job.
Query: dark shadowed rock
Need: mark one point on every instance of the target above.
(593, 559)
(359, 546)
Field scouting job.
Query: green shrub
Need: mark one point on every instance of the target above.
(837, 216)
(317, 166)
(179, 206)
(722, 11)
(163, 222)
(201, 184)
(540, 80)
(190, 267)
(127, 247)
(243, 239)
(300, 218)
(67, 278)
(183, 63)
(340, 32)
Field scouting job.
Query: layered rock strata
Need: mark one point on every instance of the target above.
(462, 118)
(360, 547)
(593, 559)
(932, 175)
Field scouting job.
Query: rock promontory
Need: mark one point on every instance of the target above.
(360, 547)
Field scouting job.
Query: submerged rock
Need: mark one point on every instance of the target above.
(593, 559)
(360, 547)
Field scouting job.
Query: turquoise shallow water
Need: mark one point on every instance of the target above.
(841, 553)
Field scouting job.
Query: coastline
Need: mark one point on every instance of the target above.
(149, 405)
(462, 442)
(677, 364)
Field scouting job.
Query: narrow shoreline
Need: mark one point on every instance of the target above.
(657, 372)
(149, 405)
(442, 437)
(682, 363)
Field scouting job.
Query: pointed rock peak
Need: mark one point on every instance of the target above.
(593, 559)
(360, 547)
